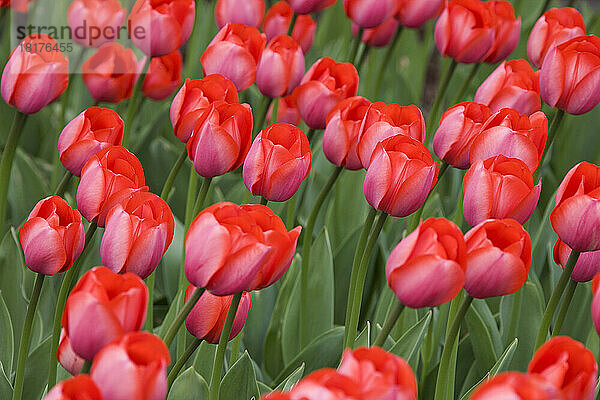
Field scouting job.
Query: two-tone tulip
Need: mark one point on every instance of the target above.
(278, 20)
(281, 67)
(507, 30)
(163, 76)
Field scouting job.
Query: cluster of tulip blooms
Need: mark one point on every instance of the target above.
(104, 331)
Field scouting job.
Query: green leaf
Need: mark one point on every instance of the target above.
(409, 344)
(240, 381)
(263, 389)
(257, 323)
(363, 339)
(170, 316)
(36, 371)
(6, 389)
(6, 337)
(291, 380)
(190, 385)
(205, 358)
(484, 334)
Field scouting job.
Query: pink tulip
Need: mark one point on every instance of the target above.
(369, 13)
(414, 13)
(310, 6)
(95, 22)
(381, 35)
(588, 263)
(280, 68)
(248, 12)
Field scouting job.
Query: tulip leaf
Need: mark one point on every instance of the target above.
(190, 385)
(257, 323)
(409, 344)
(6, 390)
(484, 334)
(205, 358)
(364, 338)
(36, 370)
(291, 380)
(170, 316)
(6, 337)
(263, 389)
(240, 381)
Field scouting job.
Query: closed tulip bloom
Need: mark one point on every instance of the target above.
(105, 15)
(234, 53)
(132, 367)
(287, 111)
(514, 84)
(324, 384)
(513, 135)
(499, 187)
(465, 31)
(280, 68)
(34, 77)
(324, 85)
(207, 318)
(66, 356)
(242, 12)
(577, 200)
(277, 163)
(567, 365)
(458, 128)
(165, 25)
(230, 248)
(53, 236)
(596, 302)
(340, 139)
(80, 387)
(498, 258)
(220, 139)
(278, 20)
(109, 177)
(414, 13)
(163, 77)
(570, 75)
(508, 30)
(556, 26)
(516, 386)
(381, 35)
(369, 13)
(194, 97)
(310, 6)
(91, 131)
(435, 249)
(400, 176)
(587, 266)
(101, 308)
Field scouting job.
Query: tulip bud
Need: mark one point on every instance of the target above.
(287, 111)
(109, 176)
(106, 16)
(381, 35)
(138, 232)
(207, 318)
(163, 77)
(101, 308)
(280, 68)
(465, 31)
(34, 77)
(369, 13)
(76, 388)
(220, 139)
(278, 20)
(241, 12)
(498, 258)
(310, 6)
(414, 13)
(458, 128)
(164, 25)
(66, 355)
(556, 26)
(435, 249)
(570, 75)
(497, 188)
(517, 386)
(277, 163)
(567, 365)
(596, 302)
(225, 257)
(340, 139)
(513, 135)
(507, 30)
(91, 131)
(53, 237)
(400, 176)
(514, 85)
(132, 367)
(324, 85)
(577, 200)
(194, 97)
(588, 263)
(234, 53)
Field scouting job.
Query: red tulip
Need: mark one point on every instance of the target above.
(310, 6)
(230, 248)
(369, 13)
(513, 135)
(568, 365)
(400, 176)
(280, 68)
(163, 77)
(234, 53)
(278, 20)
(287, 111)
(381, 35)
(241, 12)
(435, 249)
(466, 31)
(507, 30)
(91, 131)
(340, 139)
(221, 138)
(101, 308)
(159, 27)
(570, 75)
(194, 97)
(34, 77)
(67, 357)
(498, 258)
(111, 73)
(588, 263)
(132, 367)
(207, 318)
(108, 177)
(578, 200)
(514, 85)
(324, 384)
(324, 85)
(596, 302)
(458, 128)
(53, 237)
(277, 163)
(414, 13)
(499, 187)
(556, 26)
(517, 386)
(95, 22)
(80, 387)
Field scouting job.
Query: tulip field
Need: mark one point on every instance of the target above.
(299, 199)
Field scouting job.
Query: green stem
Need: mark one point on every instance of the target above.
(86, 367)
(290, 217)
(466, 83)
(132, 106)
(236, 343)
(166, 189)
(264, 201)
(181, 361)
(202, 196)
(416, 217)
(439, 98)
(62, 185)
(275, 111)
(215, 382)
(386, 61)
(514, 316)
(363, 57)
(310, 135)
(355, 46)
(292, 24)
(150, 283)
(564, 307)
(262, 114)
(182, 315)
(552, 135)
(555, 298)
(389, 323)
(26, 336)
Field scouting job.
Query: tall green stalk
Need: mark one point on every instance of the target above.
(467, 82)
(181, 361)
(564, 307)
(389, 323)
(132, 106)
(439, 98)
(553, 131)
